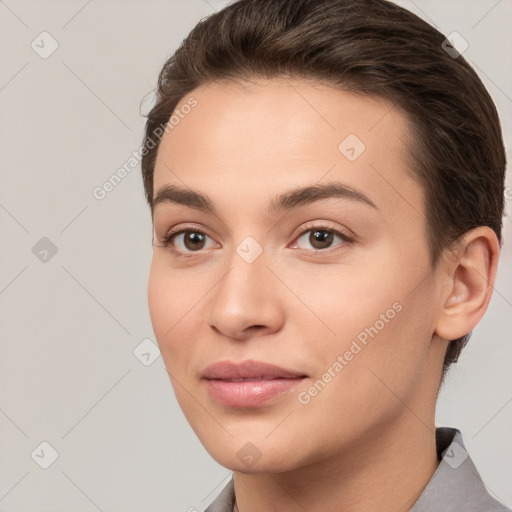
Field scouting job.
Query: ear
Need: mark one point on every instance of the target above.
(471, 273)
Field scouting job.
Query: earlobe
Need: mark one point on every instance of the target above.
(471, 283)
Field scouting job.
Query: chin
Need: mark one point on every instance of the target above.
(245, 456)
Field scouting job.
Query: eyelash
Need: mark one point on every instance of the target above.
(169, 238)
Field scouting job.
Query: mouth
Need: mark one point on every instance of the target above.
(249, 383)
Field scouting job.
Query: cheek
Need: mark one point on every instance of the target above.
(370, 317)
(170, 298)
(368, 371)
(170, 303)
(388, 347)
(167, 309)
(341, 301)
(174, 301)
(159, 300)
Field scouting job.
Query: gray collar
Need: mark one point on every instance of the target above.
(456, 484)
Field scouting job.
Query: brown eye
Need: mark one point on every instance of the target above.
(187, 241)
(193, 240)
(321, 238)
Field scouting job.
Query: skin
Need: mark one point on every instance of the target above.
(373, 424)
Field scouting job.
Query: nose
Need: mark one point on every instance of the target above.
(247, 301)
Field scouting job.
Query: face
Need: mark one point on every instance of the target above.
(331, 285)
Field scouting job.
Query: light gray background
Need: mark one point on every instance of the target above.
(69, 326)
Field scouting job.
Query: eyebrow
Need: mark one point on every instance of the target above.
(285, 201)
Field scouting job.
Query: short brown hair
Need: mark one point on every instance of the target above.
(372, 47)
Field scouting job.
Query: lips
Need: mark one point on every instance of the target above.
(249, 383)
(248, 370)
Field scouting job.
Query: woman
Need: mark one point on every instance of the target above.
(326, 187)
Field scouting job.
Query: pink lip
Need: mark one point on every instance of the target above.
(264, 382)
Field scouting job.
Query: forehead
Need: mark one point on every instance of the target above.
(267, 135)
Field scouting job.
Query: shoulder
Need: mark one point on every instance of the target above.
(225, 500)
(456, 484)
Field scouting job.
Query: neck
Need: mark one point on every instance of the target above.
(387, 471)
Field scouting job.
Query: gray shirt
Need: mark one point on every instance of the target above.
(455, 486)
